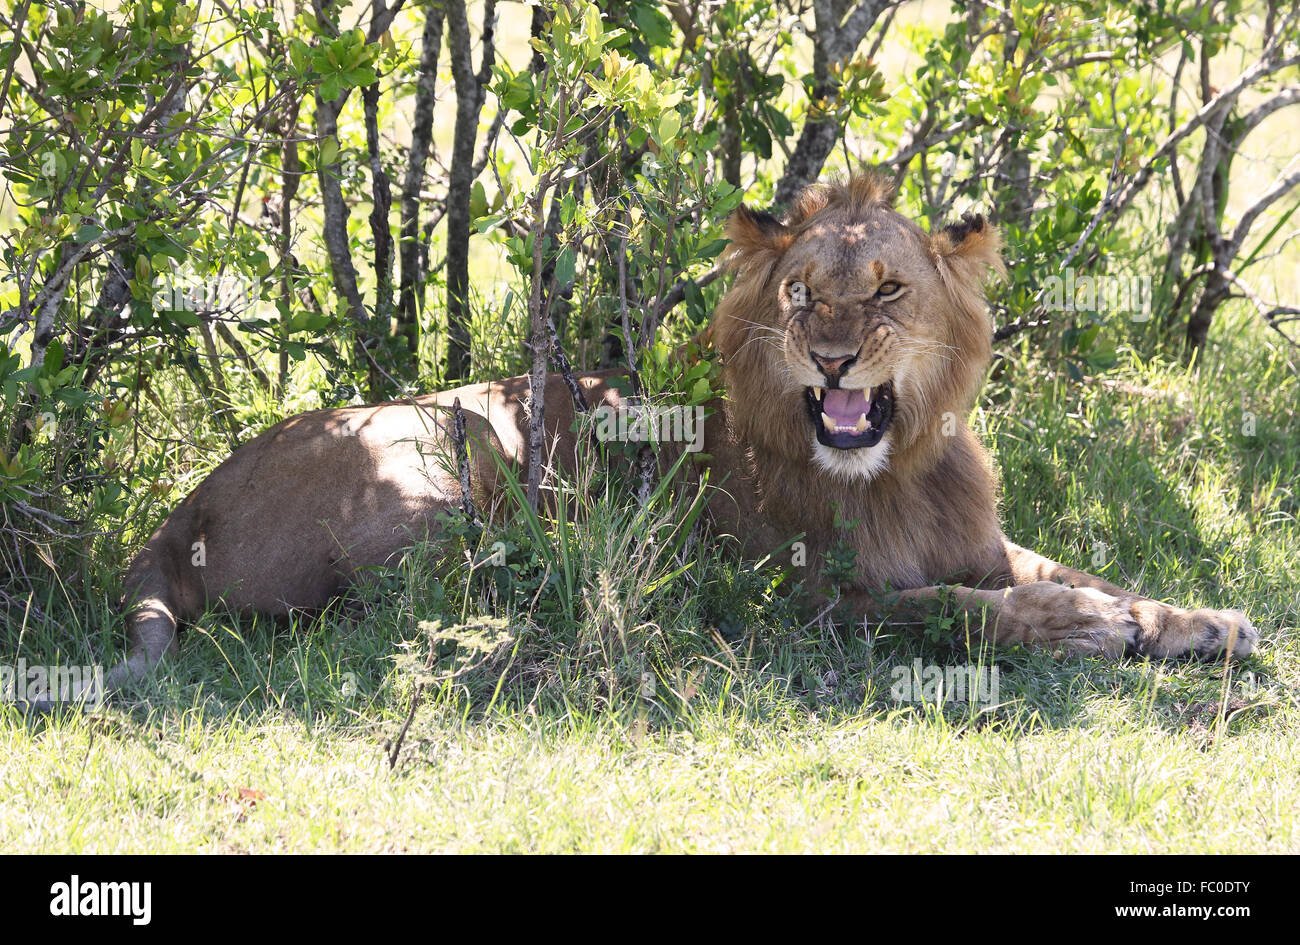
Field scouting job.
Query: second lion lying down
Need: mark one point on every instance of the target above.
(853, 345)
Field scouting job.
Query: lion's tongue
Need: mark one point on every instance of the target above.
(845, 406)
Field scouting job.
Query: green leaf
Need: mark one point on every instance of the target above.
(592, 27)
(669, 124)
(656, 29)
(488, 223)
(565, 265)
(361, 77)
(478, 205)
(329, 151)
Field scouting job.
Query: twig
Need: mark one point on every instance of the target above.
(627, 324)
(462, 463)
(1270, 316)
(1107, 202)
(410, 714)
(566, 368)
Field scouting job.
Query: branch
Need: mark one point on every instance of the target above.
(1020, 324)
(566, 368)
(381, 204)
(1284, 97)
(905, 153)
(462, 463)
(1270, 315)
(1280, 189)
(409, 302)
(335, 228)
(50, 297)
(539, 342)
(677, 291)
(1207, 111)
(849, 33)
(833, 42)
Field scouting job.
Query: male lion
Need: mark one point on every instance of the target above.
(853, 344)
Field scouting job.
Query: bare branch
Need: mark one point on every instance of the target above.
(1289, 95)
(1209, 110)
(462, 463)
(916, 145)
(1269, 315)
(1281, 187)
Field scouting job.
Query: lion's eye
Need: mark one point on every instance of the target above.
(798, 293)
(887, 289)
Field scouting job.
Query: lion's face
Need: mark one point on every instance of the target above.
(864, 334)
(862, 330)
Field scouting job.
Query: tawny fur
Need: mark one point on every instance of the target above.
(288, 519)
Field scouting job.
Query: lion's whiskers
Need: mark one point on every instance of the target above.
(913, 346)
(760, 332)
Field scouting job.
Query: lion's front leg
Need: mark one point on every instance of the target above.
(1033, 601)
(1076, 620)
(1149, 627)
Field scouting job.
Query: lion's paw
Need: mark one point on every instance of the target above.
(1218, 631)
(1173, 632)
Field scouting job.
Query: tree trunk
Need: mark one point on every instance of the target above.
(539, 341)
(469, 103)
(836, 39)
(381, 202)
(337, 248)
(411, 290)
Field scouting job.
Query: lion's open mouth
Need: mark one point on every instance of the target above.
(850, 419)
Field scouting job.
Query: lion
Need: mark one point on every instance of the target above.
(852, 343)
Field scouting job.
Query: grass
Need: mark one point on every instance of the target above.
(658, 697)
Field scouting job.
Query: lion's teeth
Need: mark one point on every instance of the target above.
(862, 423)
(828, 422)
(818, 392)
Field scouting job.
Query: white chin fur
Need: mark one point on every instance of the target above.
(865, 463)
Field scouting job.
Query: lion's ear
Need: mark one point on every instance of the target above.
(756, 237)
(971, 248)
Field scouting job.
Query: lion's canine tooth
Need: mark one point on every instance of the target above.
(818, 393)
(862, 423)
(828, 422)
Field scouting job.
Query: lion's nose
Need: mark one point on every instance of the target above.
(833, 367)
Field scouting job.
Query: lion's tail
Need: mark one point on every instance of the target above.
(155, 602)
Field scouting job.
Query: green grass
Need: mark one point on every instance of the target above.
(759, 733)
